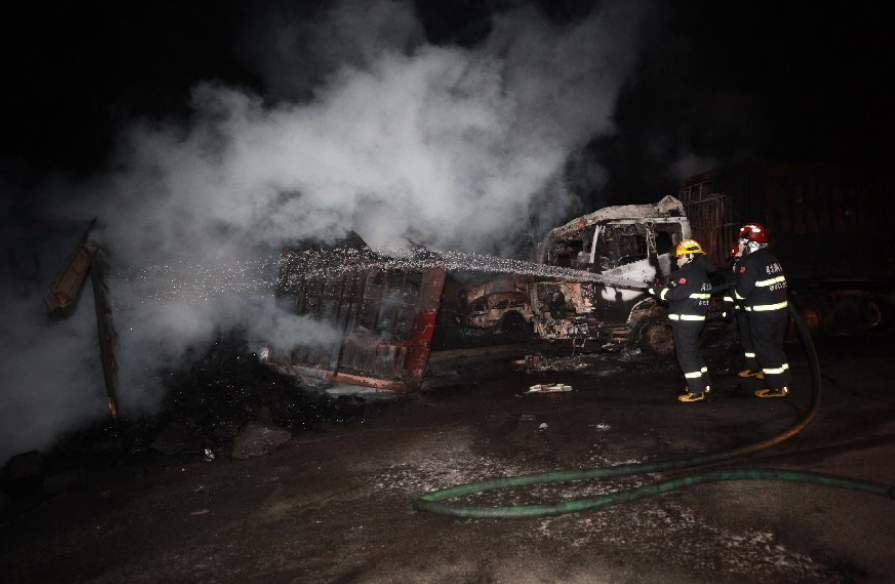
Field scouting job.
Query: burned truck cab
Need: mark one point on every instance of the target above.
(619, 252)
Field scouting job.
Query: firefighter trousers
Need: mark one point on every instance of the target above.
(767, 330)
(686, 349)
(746, 343)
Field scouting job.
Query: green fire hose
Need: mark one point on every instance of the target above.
(439, 501)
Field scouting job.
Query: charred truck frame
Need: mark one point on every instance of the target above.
(385, 311)
(381, 310)
(627, 248)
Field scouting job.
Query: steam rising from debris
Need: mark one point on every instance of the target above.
(440, 146)
(38, 361)
(402, 142)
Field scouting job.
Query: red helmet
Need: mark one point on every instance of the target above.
(753, 232)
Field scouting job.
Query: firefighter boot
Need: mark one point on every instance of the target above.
(691, 397)
(780, 392)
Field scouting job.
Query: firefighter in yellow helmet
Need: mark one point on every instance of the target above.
(687, 294)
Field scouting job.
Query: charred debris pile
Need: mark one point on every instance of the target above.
(226, 404)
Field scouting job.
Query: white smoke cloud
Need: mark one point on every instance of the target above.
(190, 307)
(401, 142)
(51, 378)
(445, 146)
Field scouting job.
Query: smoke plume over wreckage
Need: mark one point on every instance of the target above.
(403, 142)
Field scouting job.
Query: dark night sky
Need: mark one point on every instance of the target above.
(719, 79)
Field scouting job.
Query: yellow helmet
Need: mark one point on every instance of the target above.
(688, 246)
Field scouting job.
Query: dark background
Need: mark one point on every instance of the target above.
(726, 80)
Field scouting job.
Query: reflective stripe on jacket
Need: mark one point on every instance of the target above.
(761, 283)
(688, 291)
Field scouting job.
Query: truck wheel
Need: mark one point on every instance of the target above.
(858, 315)
(657, 338)
(880, 315)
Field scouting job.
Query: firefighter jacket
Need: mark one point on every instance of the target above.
(688, 291)
(760, 283)
(729, 305)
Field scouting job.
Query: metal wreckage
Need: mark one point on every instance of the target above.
(395, 315)
(392, 313)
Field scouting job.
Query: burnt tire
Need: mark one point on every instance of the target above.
(657, 338)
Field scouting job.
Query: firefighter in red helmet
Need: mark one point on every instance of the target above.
(733, 310)
(687, 294)
(760, 286)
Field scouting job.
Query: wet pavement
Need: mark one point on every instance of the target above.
(333, 504)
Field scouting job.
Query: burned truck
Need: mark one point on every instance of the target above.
(616, 254)
(587, 289)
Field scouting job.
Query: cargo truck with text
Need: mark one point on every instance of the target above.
(830, 227)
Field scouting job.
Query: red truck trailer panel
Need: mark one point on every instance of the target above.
(385, 315)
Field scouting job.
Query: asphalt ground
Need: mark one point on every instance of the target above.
(333, 505)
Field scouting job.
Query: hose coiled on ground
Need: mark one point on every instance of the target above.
(438, 501)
